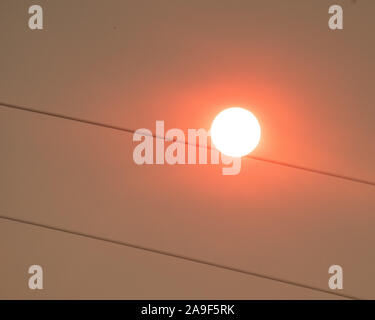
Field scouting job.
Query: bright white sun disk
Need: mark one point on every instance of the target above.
(235, 132)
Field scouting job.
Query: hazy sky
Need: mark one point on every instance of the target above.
(130, 63)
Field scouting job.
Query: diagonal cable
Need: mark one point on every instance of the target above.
(165, 253)
(177, 256)
(271, 161)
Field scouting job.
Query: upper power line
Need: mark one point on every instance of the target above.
(271, 161)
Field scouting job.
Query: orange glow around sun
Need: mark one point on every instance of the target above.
(235, 132)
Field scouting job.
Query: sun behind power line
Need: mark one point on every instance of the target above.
(235, 132)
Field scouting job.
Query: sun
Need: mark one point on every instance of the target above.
(235, 132)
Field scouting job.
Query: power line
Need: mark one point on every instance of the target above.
(100, 124)
(62, 116)
(177, 256)
(109, 126)
(326, 173)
